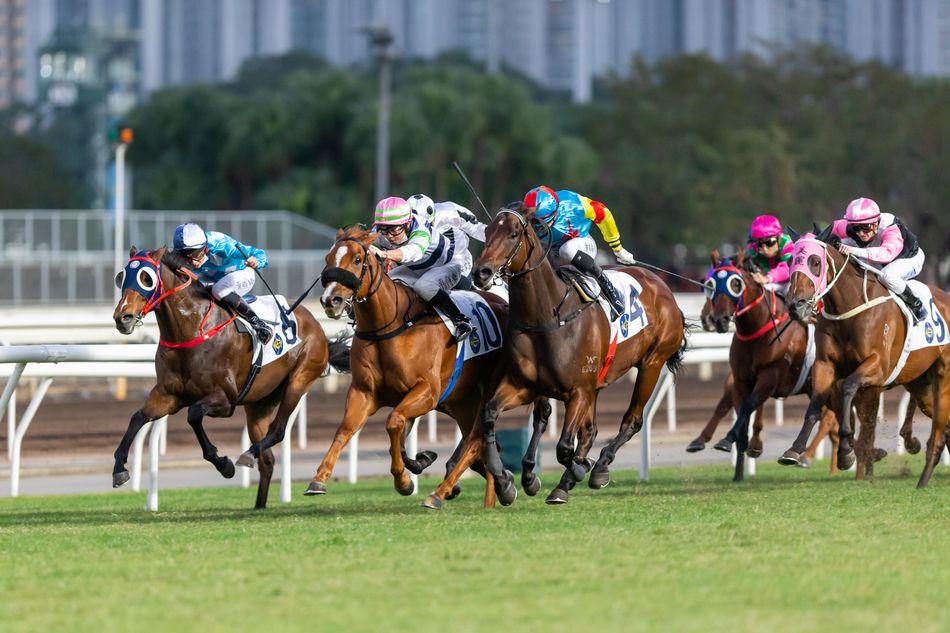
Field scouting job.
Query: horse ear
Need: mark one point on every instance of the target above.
(715, 258)
(340, 233)
(369, 238)
(824, 234)
(792, 233)
(133, 251)
(815, 228)
(740, 259)
(157, 255)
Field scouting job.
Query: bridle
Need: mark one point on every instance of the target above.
(739, 300)
(349, 280)
(827, 263)
(504, 272)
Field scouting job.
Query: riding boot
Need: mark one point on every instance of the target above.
(239, 305)
(463, 327)
(586, 264)
(915, 304)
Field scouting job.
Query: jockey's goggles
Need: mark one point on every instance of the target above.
(768, 242)
(864, 228)
(391, 229)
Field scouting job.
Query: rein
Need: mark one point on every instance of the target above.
(830, 262)
(742, 308)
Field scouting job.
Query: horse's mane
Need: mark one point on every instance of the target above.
(174, 260)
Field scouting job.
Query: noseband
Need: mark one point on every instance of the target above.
(349, 280)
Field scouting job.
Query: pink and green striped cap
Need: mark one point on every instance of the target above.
(392, 210)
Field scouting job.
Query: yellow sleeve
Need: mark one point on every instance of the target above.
(600, 215)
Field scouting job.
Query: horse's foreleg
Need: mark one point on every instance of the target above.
(359, 406)
(505, 397)
(755, 444)
(209, 451)
(867, 374)
(530, 482)
(868, 407)
(823, 376)
(911, 443)
(578, 414)
(828, 428)
(465, 455)
(722, 409)
(157, 405)
(632, 420)
(765, 386)
(423, 459)
(420, 399)
(938, 429)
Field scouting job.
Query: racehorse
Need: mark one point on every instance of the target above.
(860, 337)
(404, 357)
(762, 364)
(203, 364)
(560, 347)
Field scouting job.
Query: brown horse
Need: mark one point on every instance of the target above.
(559, 346)
(203, 361)
(403, 357)
(860, 336)
(762, 365)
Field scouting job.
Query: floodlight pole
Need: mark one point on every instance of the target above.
(119, 211)
(381, 41)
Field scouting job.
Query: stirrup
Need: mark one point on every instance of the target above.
(463, 329)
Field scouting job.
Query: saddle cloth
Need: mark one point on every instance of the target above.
(284, 336)
(486, 335)
(634, 318)
(930, 332)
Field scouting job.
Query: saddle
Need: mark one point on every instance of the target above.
(586, 287)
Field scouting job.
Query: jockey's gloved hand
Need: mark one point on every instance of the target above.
(377, 251)
(624, 257)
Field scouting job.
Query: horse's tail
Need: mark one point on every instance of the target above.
(675, 362)
(340, 352)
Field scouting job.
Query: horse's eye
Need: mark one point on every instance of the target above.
(357, 261)
(513, 234)
(120, 279)
(814, 264)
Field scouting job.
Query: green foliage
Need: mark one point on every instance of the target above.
(31, 175)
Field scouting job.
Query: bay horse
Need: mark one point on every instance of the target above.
(404, 357)
(559, 346)
(203, 361)
(762, 364)
(860, 336)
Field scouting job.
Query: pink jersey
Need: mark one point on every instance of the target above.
(886, 246)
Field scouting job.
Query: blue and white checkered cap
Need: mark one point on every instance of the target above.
(189, 236)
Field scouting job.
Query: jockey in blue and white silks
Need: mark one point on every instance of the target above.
(218, 261)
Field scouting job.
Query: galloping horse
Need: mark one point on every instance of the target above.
(404, 357)
(203, 364)
(762, 366)
(560, 347)
(860, 338)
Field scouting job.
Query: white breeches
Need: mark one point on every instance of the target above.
(240, 281)
(573, 246)
(428, 282)
(896, 274)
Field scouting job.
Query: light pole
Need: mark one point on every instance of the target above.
(122, 142)
(380, 41)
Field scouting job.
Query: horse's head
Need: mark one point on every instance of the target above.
(812, 273)
(509, 241)
(350, 270)
(725, 286)
(144, 283)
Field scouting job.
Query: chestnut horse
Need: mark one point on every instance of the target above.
(203, 361)
(560, 347)
(403, 357)
(762, 365)
(860, 337)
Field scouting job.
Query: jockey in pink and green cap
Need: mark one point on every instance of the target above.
(771, 250)
(432, 259)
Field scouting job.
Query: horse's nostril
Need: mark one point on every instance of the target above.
(336, 301)
(484, 273)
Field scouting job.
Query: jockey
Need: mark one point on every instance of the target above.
(569, 216)
(771, 250)
(431, 248)
(882, 240)
(218, 260)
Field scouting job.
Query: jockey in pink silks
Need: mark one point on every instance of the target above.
(882, 240)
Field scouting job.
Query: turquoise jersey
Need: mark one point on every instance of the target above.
(224, 256)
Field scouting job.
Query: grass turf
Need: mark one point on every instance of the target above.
(686, 551)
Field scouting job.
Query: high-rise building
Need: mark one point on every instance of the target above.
(13, 52)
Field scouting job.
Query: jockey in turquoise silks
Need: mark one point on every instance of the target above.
(570, 217)
(227, 266)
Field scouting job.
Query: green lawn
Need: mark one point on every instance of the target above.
(788, 550)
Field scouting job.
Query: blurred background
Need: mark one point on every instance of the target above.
(275, 120)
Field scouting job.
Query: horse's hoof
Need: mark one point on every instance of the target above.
(120, 478)
(408, 490)
(804, 462)
(846, 460)
(557, 497)
(754, 452)
(246, 460)
(530, 484)
(432, 502)
(599, 478)
(912, 445)
(723, 445)
(227, 471)
(739, 477)
(695, 446)
(456, 491)
(506, 490)
(878, 454)
(790, 458)
(425, 458)
(315, 488)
